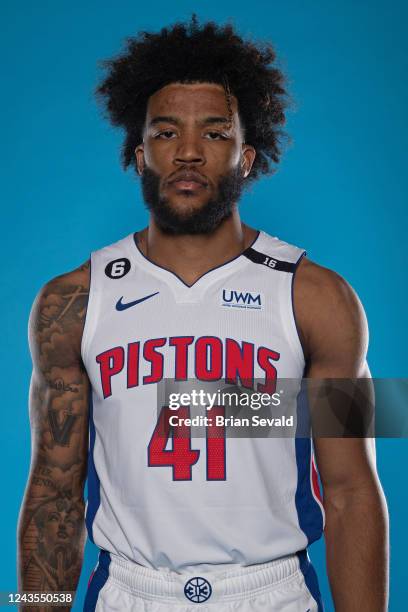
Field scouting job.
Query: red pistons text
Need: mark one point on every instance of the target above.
(213, 360)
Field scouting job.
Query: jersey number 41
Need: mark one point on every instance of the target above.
(181, 457)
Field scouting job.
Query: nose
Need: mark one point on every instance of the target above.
(189, 150)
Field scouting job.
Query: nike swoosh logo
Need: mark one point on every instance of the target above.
(121, 306)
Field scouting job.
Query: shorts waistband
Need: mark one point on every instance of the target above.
(221, 585)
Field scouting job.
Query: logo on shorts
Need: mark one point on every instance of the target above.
(197, 589)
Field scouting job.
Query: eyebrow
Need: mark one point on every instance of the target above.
(176, 121)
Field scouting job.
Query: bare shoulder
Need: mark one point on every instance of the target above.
(328, 311)
(59, 311)
(78, 277)
(316, 283)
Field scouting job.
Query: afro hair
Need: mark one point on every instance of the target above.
(188, 53)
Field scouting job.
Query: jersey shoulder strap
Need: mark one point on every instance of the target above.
(117, 256)
(274, 254)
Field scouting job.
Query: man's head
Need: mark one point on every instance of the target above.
(202, 111)
(193, 160)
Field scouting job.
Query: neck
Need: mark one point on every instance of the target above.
(190, 256)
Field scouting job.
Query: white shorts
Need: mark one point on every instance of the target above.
(285, 585)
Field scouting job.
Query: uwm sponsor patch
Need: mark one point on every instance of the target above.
(234, 298)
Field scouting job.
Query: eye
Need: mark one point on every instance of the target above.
(165, 135)
(216, 136)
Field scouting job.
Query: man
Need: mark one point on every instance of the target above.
(187, 522)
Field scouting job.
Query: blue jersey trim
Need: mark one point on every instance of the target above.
(292, 298)
(309, 513)
(97, 582)
(94, 494)
(310, 577)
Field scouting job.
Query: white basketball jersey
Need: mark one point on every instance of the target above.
(193, 503)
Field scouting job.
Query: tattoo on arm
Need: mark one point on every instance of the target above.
(51, 525)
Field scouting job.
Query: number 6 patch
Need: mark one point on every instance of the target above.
(117, 268)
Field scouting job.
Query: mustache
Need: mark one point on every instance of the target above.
(188, 175)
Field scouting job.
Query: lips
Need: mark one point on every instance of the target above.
(188, 185)
(188, 180)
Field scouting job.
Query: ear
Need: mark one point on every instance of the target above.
(140, 160)
(247, 159)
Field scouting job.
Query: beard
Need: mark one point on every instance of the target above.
(203, 220)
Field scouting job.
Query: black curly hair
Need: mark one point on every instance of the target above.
(188, 53)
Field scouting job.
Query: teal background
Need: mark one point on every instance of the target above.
(340, 191)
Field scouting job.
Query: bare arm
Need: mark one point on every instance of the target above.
(51, 532)
(334, 334)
